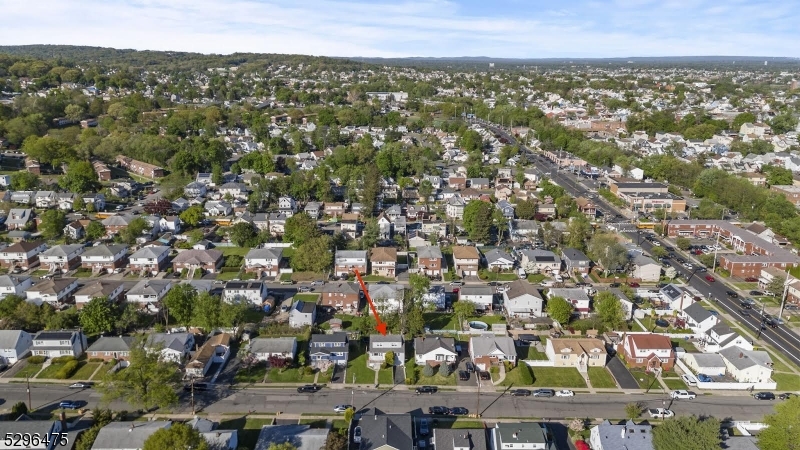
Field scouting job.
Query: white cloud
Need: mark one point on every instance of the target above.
(409, 28)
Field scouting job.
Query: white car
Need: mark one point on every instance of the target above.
(565, 393)
(342, 408)
(681, 394)
(689, 380)
(660, 412)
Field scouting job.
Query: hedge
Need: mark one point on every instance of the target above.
(63, 359)
(38, 359)
(66, 371)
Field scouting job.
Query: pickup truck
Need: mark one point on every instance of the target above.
(660, 413)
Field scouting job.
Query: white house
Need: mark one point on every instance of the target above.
(195, 189)
(347, 261)
(434, 350)
(488, 350)
(577, 297)
(721, 336)
(218, 208)
(628, 436)
(149, 259)
(173, 346)
(252, 292)
(499, 260)
(387, 297)
(481, 296)
(170, 223)
(59, 343)
(747, 366)
(216, 349)
(14, 285)
(380, 345)
(645, 269)
(148, 291)
(287, 205)
(235, 190)
(14, 345)
(698, 318)
(522, 300)
(63, 257)
(264, 261)
(54, 291)
(264, 348)
(110, 289)
(302, 314)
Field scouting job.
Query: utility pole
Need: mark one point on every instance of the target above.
(28, 388)
(783, 298)
(353, 392)
(192, 395)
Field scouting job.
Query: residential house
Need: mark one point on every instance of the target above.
(430, 261)
(386, 297)
(386, 432)
(22, 254)
(97, 200)
(127, 435)
(140, 168)
(522, 300)
(302, 437)
(302, 314)
(22, 197)
(699, 319)
(56, 291)
(148, 291)
(217, 439)
(209, 261)
(380, 345)
(195, 189)
(348, 261)
(102, 170)
(540, 261)
(546, 210)
(44, 199)
(466, 260)
(313, 209)
(53, 344)
(676, 296)
(74, 230)
(327, 349)
(277, 223)
(111, 347)
(19, 219)
(170, 224)
(577, 297)
(481, 296)
(14, 285)
(489, 350)
(334, 209)
(747, 365)
(282, 347)
(14, 345)
(522, 436)
(216, 349)
(575, 261)
(350, 226)
(236, 191)
(174, 347)
(105, 257)
(580, 353)
(586, 207)
(464, 439)
(383, 261)
(28, 429)
(110, 289)
(434, 350)
(721, 336)
(149, 260)
(218, 208)
(628, 436)
(457, 183)
(61, 257)
(287, 205)
(117, 222)
(263, 261)
(651, 351)
(253, 293)
(65, 200)
(645, 269)
(454, 207)
(506, 208)
(708, 363)
(498, 260)
(205, 178)
(341, 295)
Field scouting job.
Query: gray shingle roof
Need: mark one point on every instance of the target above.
(265, 253)
(105, 250)
(273, 345)
(696, 312)
(126, 435)
(62, 250)
(743, 359)
(9, 338)
(426, 344)
(628, 436)
(150, 252)
(485, 345)
(303, 437)
(386, 431)
(429, 252)
(112, 344)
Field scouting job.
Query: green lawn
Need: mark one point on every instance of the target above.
(787, 381)
(253, 375)
(560, 377)
(445, 321)
(83, 273)
(490, 276)
(684, 344)
(348, 321)
(530, 352)
(249, 429)
(600, 378)
(312, 298)
(28, 371)
(293, 375)
(227, 276)
(778, 365)
(458, 423)
(376, 279)
(436, 379)
(536, 278)
(645, 380)
(239, 251)
(675, 383)
(85, 370)
(357, 366)
(386, 377)
(50, 371)
(40, 272)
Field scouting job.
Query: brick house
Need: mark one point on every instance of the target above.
(140, 168)
(207, 260)
(383, 261)
(102, 170)
(22, 254)
(105, 257)
(430, 261)
(341, 295)
(648, 350)
(62, 257)
(111, 347)
(110, 289)
(347, 261)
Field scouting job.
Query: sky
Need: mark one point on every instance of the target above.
(407, 28)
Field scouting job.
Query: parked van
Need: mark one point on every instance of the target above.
(521, 273)
(558, 279)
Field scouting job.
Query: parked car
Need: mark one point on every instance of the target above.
(732, 294)
(702, 269)
(689, 379)
(764, 396)
(484, 375)
(520, 393)
(786, 396)
(633, 284)
(317, 283)
(304, 289)
(69, 404)
(682, 394)
(426, 390)
(439, 410)
(544, 393)
(660, 412)
(287, 282)
(342, 408)
(747, 304)
(710, 279)
(456, 283)
(614, 285)
(565, 393)
(463, 375)
(704, 378)
(756, 293)
(311, 388)
(459, 411)
(80, 385)
(423, 427)
(357, 435)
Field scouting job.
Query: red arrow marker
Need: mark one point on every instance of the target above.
(381, 326)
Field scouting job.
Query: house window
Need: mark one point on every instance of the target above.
(639, 360)
(564, 356)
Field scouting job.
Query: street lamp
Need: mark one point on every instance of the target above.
(716, 246)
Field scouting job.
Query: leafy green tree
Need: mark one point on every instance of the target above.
(525, 374)
(133, 230)
(742, 118)
(782, 430)
(606, 250)
(148, 382)
(314, 255)
(192, 216)
(97, 316)
(78, 204)
(388, 359)
(207, 311)
(428, 370)
(633, 410)
(282, 446)
(659, 252)
(74, 112)
(425, 190)
(80, 177)
(52, 223)
(776, 285)
(445, 370)
(233, 314)
(579, 230)
(609, 310)
(478, 220)
(559, 309)
(299, 229)
(128, 316)
(783, 123)
(95, 230)
(180, 303)
(370, 234)
(778, 175)
(463, 309)
(178, 436)
(337, 441)
(17, 410)
(241, 233)
(526, 209)
(687, 433)
(24, 181)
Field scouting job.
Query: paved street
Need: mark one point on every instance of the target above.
(492, 405)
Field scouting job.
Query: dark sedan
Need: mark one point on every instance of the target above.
(732, 294)
(764, 396)
(520, 393)
(439, 410)
(310, 388)
(459, 411)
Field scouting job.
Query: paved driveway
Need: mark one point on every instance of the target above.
(624, 378)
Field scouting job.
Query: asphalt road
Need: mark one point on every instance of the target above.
(492, 405)
(784, 340)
